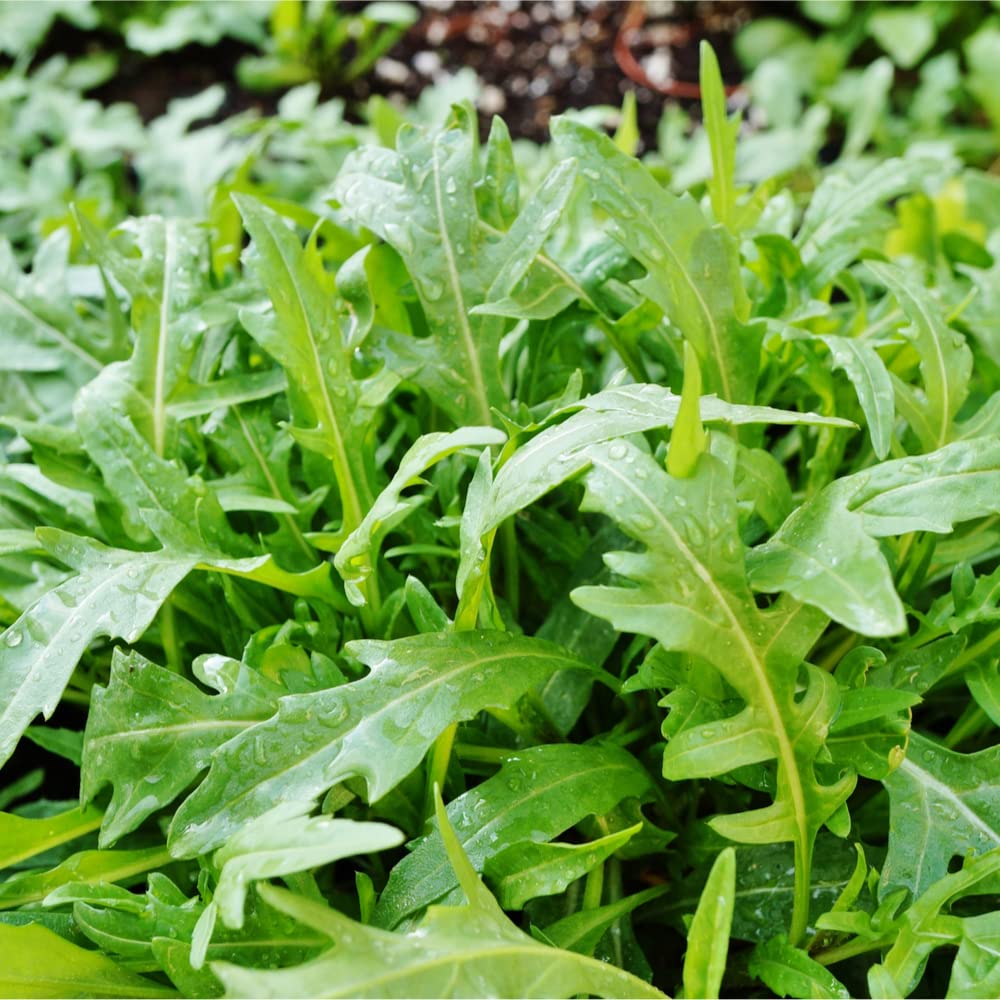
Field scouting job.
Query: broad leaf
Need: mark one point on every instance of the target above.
(690, 593)
(379, 727)
(692, 268)
(150, 732)
(943, 804)
(536, 795)
(826, 553)
(38, 963)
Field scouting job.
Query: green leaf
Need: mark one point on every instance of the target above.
(708, 935)
(23, 837)
(870, 378)
(457, 951)
(420, 198)
(86, 866)
(522, 287)
(790, 972)
(535, 796)
(559, 451)
(116, 593)
(529, 870)
(157, 927)
(906, 34)
(359, 550)
(690, 593)
(284, 841)
(722, 133)
(692, 268)
(150, 732)
(927, 925)
(38, 963)
(826, 553)
(688, 440)
(942, 804)
(975, 973)
(302, 333)
(945, 358)
(379, 727)
(583, 930)
(837, 222)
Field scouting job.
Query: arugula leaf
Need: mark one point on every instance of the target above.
(826, 553)
(150, 732)
(40, 963)
(943, 804)
(708, 936)
(416, 689)
(420, 198)
(692, 596)
(536, 795)
(692, 268)
(457, 951)
(791, 972)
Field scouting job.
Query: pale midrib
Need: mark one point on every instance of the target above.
(160, 378)
(63, 836)
(786, 750)
(471, 352)
(56, 334)
(52, 649)
(927, 780)
(942, 369)
(348, 494)
(713, 330)
(549, 264)
(371, 718)
(180, 727)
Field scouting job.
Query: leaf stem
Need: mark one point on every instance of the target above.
(593, 888)
(850, 949)
(437, 768)
(802, 890)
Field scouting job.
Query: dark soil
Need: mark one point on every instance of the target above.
(533, 59)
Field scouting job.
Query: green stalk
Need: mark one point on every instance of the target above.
(802, 892)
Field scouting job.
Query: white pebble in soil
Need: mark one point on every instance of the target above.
(392, 71)
(658, 66)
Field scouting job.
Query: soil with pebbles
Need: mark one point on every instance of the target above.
(537, 59)
(533, 59)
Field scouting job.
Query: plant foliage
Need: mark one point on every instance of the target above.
(565, 573)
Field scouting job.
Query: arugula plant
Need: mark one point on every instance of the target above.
(627, 554)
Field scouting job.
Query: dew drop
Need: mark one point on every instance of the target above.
(433, 290)
(641, 522)
(618, 451)
(694, 531)
(333, 714)
(12, 638)
(420, 674)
